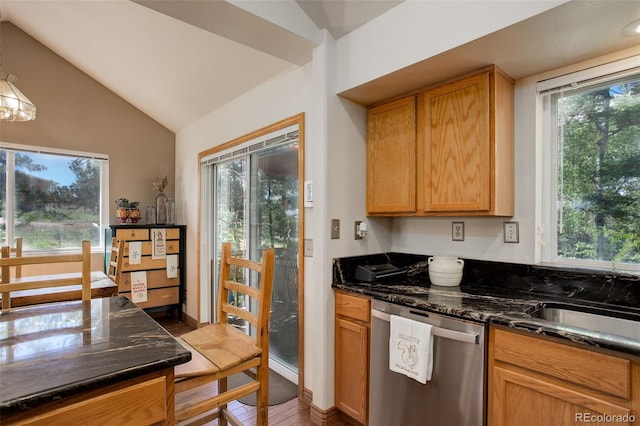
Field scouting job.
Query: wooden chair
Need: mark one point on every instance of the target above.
(17, 252)
(10, 283)
(115, 260)
(220, 350)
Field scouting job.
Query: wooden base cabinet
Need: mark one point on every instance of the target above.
(352, 331)
(145, 400)
(538, 381)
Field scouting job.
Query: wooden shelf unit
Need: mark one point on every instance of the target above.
(163, 293)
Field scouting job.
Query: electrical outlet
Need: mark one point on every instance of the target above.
(335, 229)
(511, 232)
(457, 231)
(357, 230)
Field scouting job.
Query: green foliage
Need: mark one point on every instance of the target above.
(49, 215)
(273, 208)
(126, 204)
(599, 195)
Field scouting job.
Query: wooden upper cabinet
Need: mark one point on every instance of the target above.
(461, 138)
(454, 143)
(391, 157)
(465, 147)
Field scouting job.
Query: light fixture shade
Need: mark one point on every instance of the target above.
(14, 106)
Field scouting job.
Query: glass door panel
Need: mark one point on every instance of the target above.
(259, 210)
(274, 223)
(230, 208)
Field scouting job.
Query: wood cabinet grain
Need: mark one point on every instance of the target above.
(163, 292)
(352, 325)
(147, 400)
(535, 380)
(391, 157)
(444, 151)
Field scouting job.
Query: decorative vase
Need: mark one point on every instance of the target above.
(161, 209)
(171, 212)
(150, 215)
(445, 270)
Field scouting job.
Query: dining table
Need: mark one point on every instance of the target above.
(100, 361)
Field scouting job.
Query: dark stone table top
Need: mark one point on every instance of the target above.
(51, 351)
(504, 294)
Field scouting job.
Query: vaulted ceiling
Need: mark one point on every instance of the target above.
(178, 60)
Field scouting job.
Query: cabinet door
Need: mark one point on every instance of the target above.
(522, 400)
(391, 157)
(351, 369)
(454, 147)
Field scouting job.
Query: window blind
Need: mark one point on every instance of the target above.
(590, 76)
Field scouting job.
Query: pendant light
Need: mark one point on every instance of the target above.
(14, 105)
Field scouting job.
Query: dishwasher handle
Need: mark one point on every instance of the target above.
(459, 336)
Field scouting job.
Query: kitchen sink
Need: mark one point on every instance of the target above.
(594, 319)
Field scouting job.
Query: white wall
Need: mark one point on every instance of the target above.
(256, 109)
(417, 29)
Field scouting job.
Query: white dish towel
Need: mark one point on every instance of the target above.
(411, 348)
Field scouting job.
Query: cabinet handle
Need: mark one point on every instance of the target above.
(459, 336)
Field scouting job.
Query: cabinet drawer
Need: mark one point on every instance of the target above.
(155, 279)
(173, 233)
(132, 234)
(172, 247)
(144, 234)
(356, 307)
(158, 297)
(145, 263)
(593, 370)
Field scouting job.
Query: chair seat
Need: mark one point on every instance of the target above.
(215, 347)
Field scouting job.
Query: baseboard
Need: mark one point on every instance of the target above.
(325, 417)
(191, 322)
(307, 396)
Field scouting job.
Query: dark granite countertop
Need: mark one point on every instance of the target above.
(503, 294)
(55, 350)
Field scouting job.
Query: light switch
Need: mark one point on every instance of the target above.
(335, 229)
(511, 232)
(308, 247)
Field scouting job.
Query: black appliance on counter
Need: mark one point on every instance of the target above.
(380, 272)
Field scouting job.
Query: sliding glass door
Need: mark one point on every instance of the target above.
(255, 206)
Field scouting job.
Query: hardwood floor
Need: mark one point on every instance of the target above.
(290, 413)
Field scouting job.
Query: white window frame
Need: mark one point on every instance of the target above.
(104, 188)
(546, 234)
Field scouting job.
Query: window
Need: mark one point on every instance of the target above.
(52, 199)
(593, 147)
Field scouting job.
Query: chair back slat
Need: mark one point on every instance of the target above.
(17, 251)
(231, 270)
(10, 284)
(116, 260)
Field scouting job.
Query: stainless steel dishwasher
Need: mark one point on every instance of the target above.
(455, 396)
